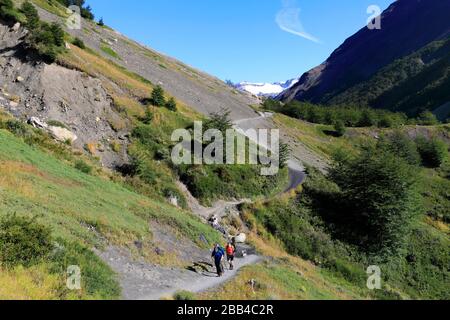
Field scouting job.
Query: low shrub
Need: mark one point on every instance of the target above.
(17, 128)
(184, 296)
(83, 167)
(23, 241)
(79, 43)
(97, 279)
(433, 152)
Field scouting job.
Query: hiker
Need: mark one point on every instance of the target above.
(231, 251)
(217, 254)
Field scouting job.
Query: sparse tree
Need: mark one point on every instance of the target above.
(31, 14)
(79, 43)
(339, 128)
(433, 152)
(6, 9)
(171, 104)
(380, 199)
(427, 118)
(220, 121)
(158, 98)
(401, 145)
(148, 117)
(285, 154)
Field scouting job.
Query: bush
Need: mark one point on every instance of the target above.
(184, 296)
(339, 128)
(433, 152)
(349, 271)
(284, 154)
(171, 104)
(47, 41)
(403, 146)
(17, 128)
(31, 14)
(271, 105)
(368, 119)
(23, 241)
(427, 118)
(220, 121)
(8, 12)
(83, 167)
(148, 117)
(157, 97)
(98, 280)
(386, 121)
(79, 43)
(379, 198)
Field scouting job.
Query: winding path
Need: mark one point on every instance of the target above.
(205, 281)
(296, 171)
(142, 281)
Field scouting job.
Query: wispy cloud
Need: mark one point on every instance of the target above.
(288, 19)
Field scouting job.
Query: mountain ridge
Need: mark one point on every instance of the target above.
(368, 51)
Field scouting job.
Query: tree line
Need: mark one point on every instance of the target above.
(348, 116)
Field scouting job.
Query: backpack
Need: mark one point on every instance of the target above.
(219, 253)
(230, 250)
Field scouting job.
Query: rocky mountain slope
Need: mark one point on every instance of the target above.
(406, 27)
(138, 232)
(77, 105)
(205, 93)
(90, 101)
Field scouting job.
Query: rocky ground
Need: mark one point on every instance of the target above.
(141, 280)
(73, 102)
(204, 93)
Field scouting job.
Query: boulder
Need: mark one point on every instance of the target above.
(13, 104)
(173, 201)
(62, 134)
(37, 123)
(241, 238)
(19, 79)
(16, 27)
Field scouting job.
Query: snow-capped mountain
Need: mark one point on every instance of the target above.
(265, 89)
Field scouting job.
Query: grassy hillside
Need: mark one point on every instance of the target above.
(82, 210)
(304, 227)
(52, 192)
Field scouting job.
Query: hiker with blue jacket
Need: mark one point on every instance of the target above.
(217, 254)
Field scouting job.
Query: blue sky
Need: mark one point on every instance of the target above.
(240, 40)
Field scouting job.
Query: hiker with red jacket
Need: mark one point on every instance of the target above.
(231, 251)
(218, 254)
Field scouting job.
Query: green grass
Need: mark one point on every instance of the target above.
(109, 51)
(210, 183)
(51, 6)
(33, 183)
(280, 279)
(56, 123)
(418, 271)
(436, 191)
